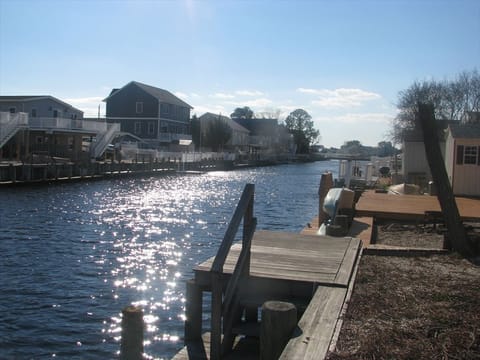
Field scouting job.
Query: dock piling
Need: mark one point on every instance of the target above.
(279, 320)
(131, 347)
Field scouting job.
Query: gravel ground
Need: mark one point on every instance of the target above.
(412, 307)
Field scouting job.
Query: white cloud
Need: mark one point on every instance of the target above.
(89, 105)
(214, 109)
(249, 93)
(85, 100)
(357, 118)
(261, 102)
(181, 95)
(339, 98)
(222, 96)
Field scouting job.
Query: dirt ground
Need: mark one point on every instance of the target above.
(412, 307)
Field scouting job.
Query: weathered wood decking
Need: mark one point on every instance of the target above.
(410, 207)
(289, 267)
(294, 257)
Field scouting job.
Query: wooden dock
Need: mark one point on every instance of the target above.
(287, 267)
(410, 207)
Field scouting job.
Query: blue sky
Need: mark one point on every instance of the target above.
(344, 62)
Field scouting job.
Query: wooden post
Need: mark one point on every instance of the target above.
(193, 311)
(216, 318)
(456, 231)
(326, 183)
(279, 319)
(131, 347)
(13, 173)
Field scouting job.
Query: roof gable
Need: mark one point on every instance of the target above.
(28, 98)
(161, 95)
(233, 124)
(469, 131)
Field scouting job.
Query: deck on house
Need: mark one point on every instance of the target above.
(410, 207)
(283, 266)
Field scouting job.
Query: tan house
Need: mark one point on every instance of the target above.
(240, 138)
(462, 160)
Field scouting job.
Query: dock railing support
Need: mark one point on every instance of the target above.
(326, 183)
(225, 307)
(131, 347)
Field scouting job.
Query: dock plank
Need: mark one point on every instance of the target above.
(316, 328)
(411, 207)
(293, 256)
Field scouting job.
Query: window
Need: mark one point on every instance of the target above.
(467, 155)
(164, 127)
(12, 110)
(55, 113)
(165, 108)
(34, 112)
(151, 128)
(138, 127)
(139, 107)
(470, 156)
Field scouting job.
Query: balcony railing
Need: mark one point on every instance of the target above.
(169, 137)
(44, 123)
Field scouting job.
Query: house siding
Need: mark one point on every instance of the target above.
(44, 107)
(158, 120)
(465, 176)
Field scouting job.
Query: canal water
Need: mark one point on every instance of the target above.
(73, 255)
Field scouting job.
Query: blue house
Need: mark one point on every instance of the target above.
(155, 115)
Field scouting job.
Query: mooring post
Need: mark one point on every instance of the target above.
(131, 347)
(279, 320)
(193, 311)
(326, 183)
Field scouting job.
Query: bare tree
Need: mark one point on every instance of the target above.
(451, 100)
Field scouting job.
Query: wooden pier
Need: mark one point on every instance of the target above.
(411, 207)
(312, 272)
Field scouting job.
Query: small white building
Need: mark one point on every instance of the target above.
(462, 158)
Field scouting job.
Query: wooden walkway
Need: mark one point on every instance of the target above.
(288, 267)
(291, 256)
(410, 207)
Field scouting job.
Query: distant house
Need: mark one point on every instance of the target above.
(462, 158)
(415, 166)
(240, 136)
(267, 136)
(40, 124)
(155, 115)
(39, 106)
(44, 125)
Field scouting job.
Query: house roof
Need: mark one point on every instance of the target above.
(233, 124)
(160, 94)
(468, 131)
(26, 98)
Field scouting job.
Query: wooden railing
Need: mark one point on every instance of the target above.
(225, 305)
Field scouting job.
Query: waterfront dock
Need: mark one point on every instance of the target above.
(411, 207)
(314, 273)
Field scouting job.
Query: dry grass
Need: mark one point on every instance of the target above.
(413, 308)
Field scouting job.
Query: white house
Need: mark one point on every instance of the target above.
(462, 160)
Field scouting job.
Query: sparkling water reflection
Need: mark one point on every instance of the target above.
(74, 255)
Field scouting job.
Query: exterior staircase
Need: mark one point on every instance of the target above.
(103, 140)
(10, 124)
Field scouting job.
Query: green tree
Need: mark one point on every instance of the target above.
(218, 134)
(195, 128)
(242, 113)
(385, 148)
(300, 124)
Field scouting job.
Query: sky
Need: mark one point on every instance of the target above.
(344, 61)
